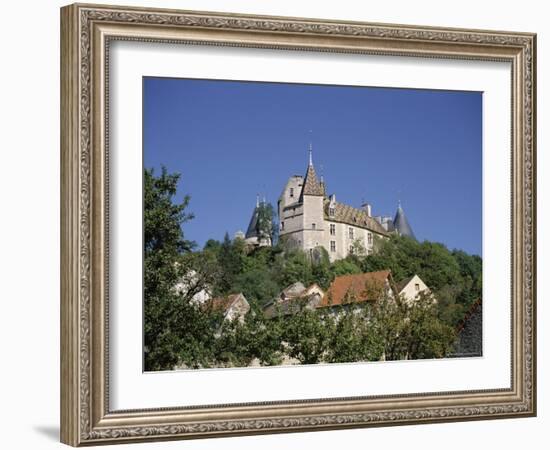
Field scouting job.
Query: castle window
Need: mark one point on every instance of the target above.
(369, 238)
(292, 192)
(332, 229)
(332, 246)
(417, 287)
(282, 226)
(351, 233)
(313, 226)
(351, 249)
(331, 211)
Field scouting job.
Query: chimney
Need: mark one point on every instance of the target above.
(367, 208)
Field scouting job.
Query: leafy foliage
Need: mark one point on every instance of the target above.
(180, 331)
(174, 328)
(453, 276)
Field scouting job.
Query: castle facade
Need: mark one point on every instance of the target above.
(309, 218)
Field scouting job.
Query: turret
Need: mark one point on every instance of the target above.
(258, 232)
(312, 197)
(401, 224)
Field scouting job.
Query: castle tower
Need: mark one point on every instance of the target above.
(300, 208)
(401, 224)
(258, 232)
(312, 198)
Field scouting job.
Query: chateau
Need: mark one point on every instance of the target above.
(309, 218)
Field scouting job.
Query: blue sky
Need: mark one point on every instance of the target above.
(231, 140)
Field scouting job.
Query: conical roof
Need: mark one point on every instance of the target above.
(252, 230)
(258, 227)
(401, 224)
(311, 183)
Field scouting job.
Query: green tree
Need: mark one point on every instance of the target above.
(353, 338)
(358, 248)
(454, 277)
(426, 335)
(255, 339)
(175, 330)
(257, 285)
(307, 334)
(411, 330)
(320, 270)
(471, 273)
(389, 323)
(344, 267)
(267, 227)
(231, 259)
(293, 266)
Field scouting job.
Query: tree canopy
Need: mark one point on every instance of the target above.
(179, 331)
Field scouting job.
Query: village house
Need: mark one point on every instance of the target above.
(351, 289)
(289, 300)
(232, 307)
(410, 288)
(345, 291)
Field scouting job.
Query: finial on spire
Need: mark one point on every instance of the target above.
(310, 149)
(257, 200)
(322, 178)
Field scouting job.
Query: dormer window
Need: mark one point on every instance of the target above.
(331, 211)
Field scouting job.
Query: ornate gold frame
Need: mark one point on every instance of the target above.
(86, 31)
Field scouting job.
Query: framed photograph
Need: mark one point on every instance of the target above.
(276, 224)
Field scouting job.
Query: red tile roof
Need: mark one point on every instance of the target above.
(360, 287)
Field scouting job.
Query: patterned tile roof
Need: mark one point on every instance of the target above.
(311, 184)
(353, 216)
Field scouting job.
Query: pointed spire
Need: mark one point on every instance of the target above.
(401, 223)
(310, 147)
(252, 230)
(311, 184)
